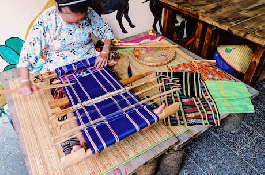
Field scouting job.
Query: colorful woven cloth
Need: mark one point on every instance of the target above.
(206, 68)
(117, 116)
(198, 109)
(230, 97)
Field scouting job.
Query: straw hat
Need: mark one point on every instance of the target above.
(236, 56)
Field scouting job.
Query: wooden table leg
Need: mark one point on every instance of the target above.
(253, 65)
(169, 22)
(210, 42)
(197, 36)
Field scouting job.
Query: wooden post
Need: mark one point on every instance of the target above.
(198, 36)
(169, 22)
(207, 41)
(253, 65)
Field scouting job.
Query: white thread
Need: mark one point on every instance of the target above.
(71, 3)
(25, 80)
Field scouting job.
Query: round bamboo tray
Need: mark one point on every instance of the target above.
(155, 56)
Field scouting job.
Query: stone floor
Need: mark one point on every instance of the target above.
(214, 152)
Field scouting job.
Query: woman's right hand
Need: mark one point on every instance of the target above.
(27, 88)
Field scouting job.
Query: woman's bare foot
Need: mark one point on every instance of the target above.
(160, 109)
(157, 111)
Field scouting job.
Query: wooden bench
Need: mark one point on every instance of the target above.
(244, 18)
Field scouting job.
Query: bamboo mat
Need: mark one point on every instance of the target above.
(37, 130)
(137, 68)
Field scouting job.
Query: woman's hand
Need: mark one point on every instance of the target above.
(27, 88)
(102, 60)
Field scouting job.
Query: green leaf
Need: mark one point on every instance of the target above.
(9, 55)
(15, 43)
(11, 66)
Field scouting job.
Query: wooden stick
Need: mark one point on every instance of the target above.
(8, 91)
(104, 118)
(80, 155)
(70, 109)
(134, 78)
(64, 101)
(145, 46)
(49, 75)
(58, 102)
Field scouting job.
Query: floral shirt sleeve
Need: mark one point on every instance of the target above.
(33, 46)
(54, 43)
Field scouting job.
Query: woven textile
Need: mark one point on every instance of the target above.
(237, 56)
(114, 122)
(230, 97)
(198, 109)
(207, 69)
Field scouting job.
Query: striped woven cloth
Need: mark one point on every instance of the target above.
(230, 97)
(196, 104)
(117, 116)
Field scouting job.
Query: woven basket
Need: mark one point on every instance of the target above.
(155, 56)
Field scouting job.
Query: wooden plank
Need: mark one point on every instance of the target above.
(253, 30)
(180, 8)
(217, 6)
(253, 65)
(234, 14)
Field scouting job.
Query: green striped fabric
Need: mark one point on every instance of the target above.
(230, 97)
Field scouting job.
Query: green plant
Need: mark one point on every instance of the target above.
(10, 52)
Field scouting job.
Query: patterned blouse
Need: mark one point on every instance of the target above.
(56, 43)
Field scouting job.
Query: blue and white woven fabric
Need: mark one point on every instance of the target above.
(119, 122)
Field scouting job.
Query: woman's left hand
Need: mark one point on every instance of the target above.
(102, 60)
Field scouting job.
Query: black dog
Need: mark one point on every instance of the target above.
(109, 6)
(156, 7)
